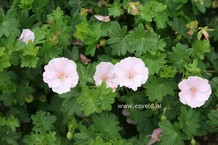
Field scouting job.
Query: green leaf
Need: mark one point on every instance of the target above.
(86, 73)
(96, 99)
(107, 125)
(117, 39)
(190, 121)
(178, 25)
(7, 85)
(213, 121)
(26, 4)
(43, 121)
(85, 136)
(29, 57)
(49, 51)
(90, 50)
(168, 72)
(10, 121)
(192, 68)
(98, 141)
(180, 55)
(29, 61)
(98, 30)
(56, 14)
(69, 105)
(142, 41)
(8, 137)
(153, 10)
(201, 47)
(147, 12)
(161, 20)
(156, 89)
(115, 9)
(41, 139)
(154, 62)
(9, 24)
(202, 5)
(4, 59)
(82, 30)
(169, 135)
(39, 35)
(181, 1)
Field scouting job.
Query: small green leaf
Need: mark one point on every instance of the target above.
(9, 24)
(201, 47)
(86, 73)
(85, 136)
(8, 137)
(82, 30)
(154, 62)
(43, 121)
(117, 39)
(153, 10)
(178, 25)
(168, 72)
(98, 141)
(69, 105)
(169, 135)
(213, 120)
(180, 55)
(7, 84)
(156, 89)
(96, 99)
(10, 121)
(29, 61)
(4, 59)
(142, 41)
(41, 139)
(190, 121)
(107, 125)
(115, 9)
(29, 57)
(56, 14)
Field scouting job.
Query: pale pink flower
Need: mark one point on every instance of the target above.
(155, 136)
(104, 72)
(130, 121)
(195, 91)
(27, 35)
(206, 35)
(131, 72)
(84, 59)
(102, 18)
(61, 75)
(125, 112)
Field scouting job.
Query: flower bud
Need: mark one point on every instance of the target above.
(69, 135)
(27, 35)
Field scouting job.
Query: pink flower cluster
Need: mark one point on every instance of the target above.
(195, 91)
(130, 72)
(61, 75)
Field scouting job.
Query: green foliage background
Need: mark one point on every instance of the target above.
(168, 35)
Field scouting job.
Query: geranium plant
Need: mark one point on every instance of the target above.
(103, 72)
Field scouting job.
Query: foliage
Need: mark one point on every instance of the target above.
(174, 38)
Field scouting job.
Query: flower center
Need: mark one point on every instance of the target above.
(130, 74)
(62, 75)
(104, 77)
(193, 90)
